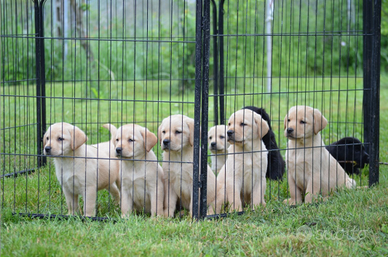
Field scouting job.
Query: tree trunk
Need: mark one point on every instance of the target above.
(78, 14)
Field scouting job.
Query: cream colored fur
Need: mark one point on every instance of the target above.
(311, 168)
(176, 135)
(242, 178)
(218, 146)
(141, 176)
(80, 169)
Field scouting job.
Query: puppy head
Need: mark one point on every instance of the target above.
(303, 122)
(245, 126)
(176, 132)
(62, 138)
(217, 139)
(133, 140)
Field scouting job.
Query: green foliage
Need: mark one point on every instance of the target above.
(308, 39)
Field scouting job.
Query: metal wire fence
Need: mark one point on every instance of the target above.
(95, 62)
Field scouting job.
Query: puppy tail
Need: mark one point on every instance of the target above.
(112, 129)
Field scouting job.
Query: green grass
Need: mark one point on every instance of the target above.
(350, 223)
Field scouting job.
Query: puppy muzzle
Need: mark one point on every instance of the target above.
(119, 151)
(166, 144)
(230, 136)
(290, 132)
(213, 146)
(47, 150)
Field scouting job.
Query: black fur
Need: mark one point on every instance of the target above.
(276, 164)
(350, 153)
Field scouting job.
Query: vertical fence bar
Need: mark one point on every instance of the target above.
(197, 106)
(215, 62)
(40, 80)
(221, 54)
(205, 107)
(375, 95)
(367, 66)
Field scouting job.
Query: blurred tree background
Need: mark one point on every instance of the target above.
(155, 40)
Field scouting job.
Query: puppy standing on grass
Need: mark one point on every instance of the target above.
(242, 178)
(141, 176)
(176, 135)
(311, 168)
(218, 146)
(81, 169)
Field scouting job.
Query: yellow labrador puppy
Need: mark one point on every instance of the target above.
(218, 146)
(80, 169)
(311, 168)
(242, 178)
(176, 135)
(141, 176)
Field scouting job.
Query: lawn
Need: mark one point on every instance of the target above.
(350, 223)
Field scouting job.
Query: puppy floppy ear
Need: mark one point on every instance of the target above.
(78, 138)
(320, 121)
(160, 134)
(150, 139)
(190, 124)
(113, 131)
(262, 125)
(285, 121)
(45, 136)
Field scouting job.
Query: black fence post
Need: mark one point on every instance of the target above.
(201, 105)
(215, 62)
(197, 106)
(221, 53)
(205, 107)
(375, 94)
(40, 80)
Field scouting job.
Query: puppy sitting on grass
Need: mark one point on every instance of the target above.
(176, 135)
(311, 168)
(242, 179)
(141, 176)
(80, 169)
(218, 146)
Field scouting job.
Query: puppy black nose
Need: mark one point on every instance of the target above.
(290, 130)
(230, 133)
(119, 150)
(166, 141)
(47, 149)
(213, 144)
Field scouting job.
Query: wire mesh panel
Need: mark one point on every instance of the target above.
(18, 103)
(110, 107)
(270, 56)
(116, 62)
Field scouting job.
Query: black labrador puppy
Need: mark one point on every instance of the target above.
(276, 164)
(350, 154)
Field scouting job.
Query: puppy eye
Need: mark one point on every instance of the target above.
(178, 132)
(131, 140)
(229, 124)
(117, 140)
(164, 132)
(222, 137)
(242, 124)
(60, 139)
(47, 138)
(210, 138)
(288, 120)
(302, 122)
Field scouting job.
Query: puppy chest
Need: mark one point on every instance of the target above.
(71, 182)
